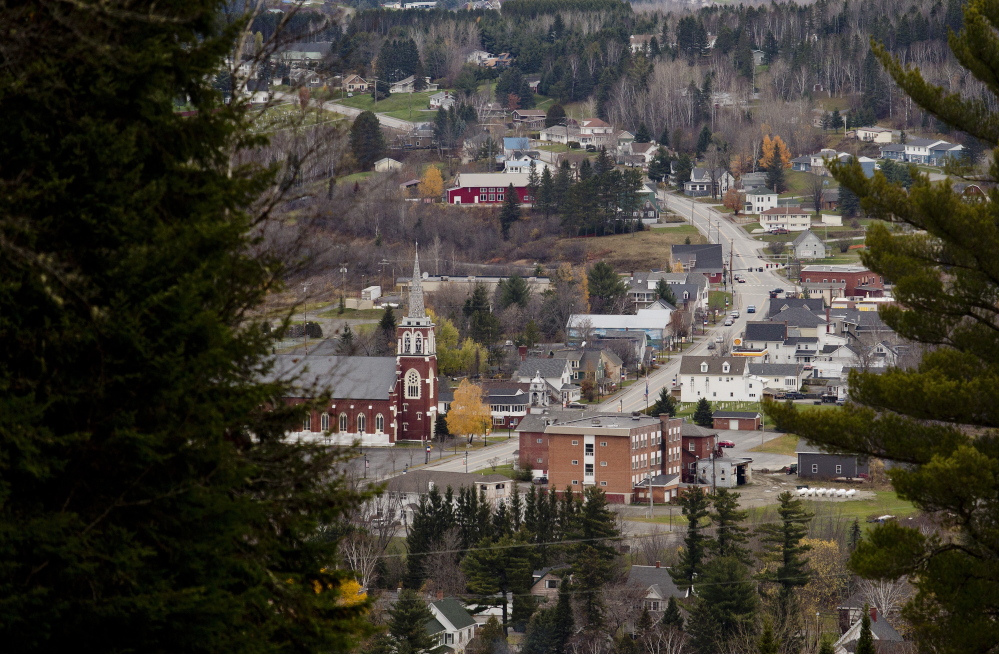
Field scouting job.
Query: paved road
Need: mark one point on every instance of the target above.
(745, 258)
(353, 112)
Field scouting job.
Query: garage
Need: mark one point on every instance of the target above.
(737, 420)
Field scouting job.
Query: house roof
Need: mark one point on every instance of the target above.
(454, 612)
(761, 191)
(691, 365)
(640, 148)
(812, 304)
(444, 392)
(516, 143)
(533, 113)
(774, 369)
(805, 158)
(658, 579)
(880, 629)
(707, 257)
(549, 368)
(786, 211)
(660, 481)
(690, 430)
(434, 627)
(704, 174)
(322, 47)
(347, 378)
(807, 235)
(766, 331)
(736, 414)
(798, 317)
(593, 122)
(894, 147)
(472, 180)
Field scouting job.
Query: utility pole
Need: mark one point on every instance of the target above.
(731, 245)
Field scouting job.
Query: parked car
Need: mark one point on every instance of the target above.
(751, 308)
(793, 470)
(779, 230)
(734, 314)
(728, 323)
(711, 346)
(719, 339)
(794, 395)
(726, 444)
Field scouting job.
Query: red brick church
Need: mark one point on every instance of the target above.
(376, 400)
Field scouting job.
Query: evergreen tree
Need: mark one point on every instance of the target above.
(345, 344)
(768, 641)
(147, 495)
(585, 170)
(594, 554)
(489, 639)
(510, 213)
(544, 202)
(367, 142)
(408, 624)
(730, 535)
(664, 138)
(431, 520)
(563, 623)
(665, 404)
(642, 134)
(659, 167)
(694, 505)
(770, 48)
(826, 647)
(483, 326)
(533, 183)
(835, 120)
(865, 643)
(775, 176)
(386, 327)
(703, 413)
(855, 535)
(683, 167)
(672, 618)
(555, 115)
(501, 566)
(664, 292)
(849, 203)
(703, 140)
(607, 288)
(726, 606)
(513, 290)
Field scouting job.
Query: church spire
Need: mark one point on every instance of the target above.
(416, 309)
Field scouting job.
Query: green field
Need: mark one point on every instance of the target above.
(884, 503)
(500, 470)
(785, 444)
(391, 105)
(682, 228)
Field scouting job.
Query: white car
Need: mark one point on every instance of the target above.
(734, 314)
(728, 323)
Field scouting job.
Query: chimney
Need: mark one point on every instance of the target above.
(874, 614)
(658, 564)
(440, 594)
(522, 351)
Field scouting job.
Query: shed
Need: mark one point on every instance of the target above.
(737, 420)
(813, 463)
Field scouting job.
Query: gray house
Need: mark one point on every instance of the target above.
(808, 245)
(813, 463)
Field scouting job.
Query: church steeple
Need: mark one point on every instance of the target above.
(416, 309)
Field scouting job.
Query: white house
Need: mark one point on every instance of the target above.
(560, 134)
(703, 182)
(793, 219)
(442, 99)
(718, 379)
(874, 134)
(522, 164)
(387, 164)
(761, 199)
(777, 376)
(478, 57)
(557, 373)
(453, 627)
(808, 245)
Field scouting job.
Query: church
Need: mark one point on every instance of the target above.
(378, 401)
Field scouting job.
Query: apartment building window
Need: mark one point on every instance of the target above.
(575, 482)
(603, 483)
(691, 446)
(540, 440)
(575, 462)
(575, 442)
(540, 461)
(603, 443)
(307, 423)
(589, 449)
(588, 469)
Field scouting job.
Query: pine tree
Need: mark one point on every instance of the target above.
(865, 643)
(606, 287)
(664, 292)
(642, 134)
(694, 505)
(367, 142)
(703, 140)
(563, 624)
(386, 326)
(664, 137)
(730, 535)
(768, 641)
(555, 115)
(726, 607)
(703, 413)
(147, 501)
(672, 618)
(408, 624)
(594, 554)
(683, 167)
(835, 120)
(665, 404)
(827, 647)
(659, 167)
(855, 535)
(510, 213)
(500, 566)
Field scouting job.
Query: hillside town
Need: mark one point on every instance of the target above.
(500, 327)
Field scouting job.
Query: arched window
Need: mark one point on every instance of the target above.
(412, 385)
(379, 423)
(343, 423)
(307, 423)
(361, 423)
(419, 343)
(324, 422)
(406, 344)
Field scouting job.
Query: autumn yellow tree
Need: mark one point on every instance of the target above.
(431, 184)
(454, 356)
(469, 415)
(829, 575)
(775, 147)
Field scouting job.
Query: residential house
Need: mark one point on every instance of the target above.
(355, 84)
(595, 132)
(259, 91)
(647, 151)
(802, 164)
(759, 57)
(529, 117)
(800, 322)
(452, 626)
(657, 584)
(478, 57)
(387, 164)
(779, 377)
(546, 582)
(689, 289)
(737, 420)
(753, 181)
(696, 443)
(874, 134)
(817, 165)
(707, 259)
(704, 183)
(502, 60)
(441, 100)
(515, 145)
(638, 343)
(640, 42)
(761, 199)
(718, 379)
(886, 639)
(854, 280)
(808, 245)
(922, 151)
(793, 219)
(557, 374)
(814, 463)
(420, 137)
(510, 402)
(761, 339)
(533, 81)
(303, 52)
(648, 204)
(624, 138)
(488, 188)
(406, 490)
(830, 199)
(560, 134)
(522, 164)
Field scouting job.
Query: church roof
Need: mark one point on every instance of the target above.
(345, 378)
(416, 309)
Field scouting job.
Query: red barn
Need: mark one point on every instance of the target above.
(488, 188)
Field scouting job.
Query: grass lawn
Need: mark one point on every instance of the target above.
(332, 310)
(885, 502)
(682, 228)
(751, 227)
(394, 103)
(355, 177)
(785, 444)
(641, 250)
(718, 299)
(500, 470)
(283, 116)
(799, 183)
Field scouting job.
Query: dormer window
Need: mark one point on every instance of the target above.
(704, 366)
(725, 367)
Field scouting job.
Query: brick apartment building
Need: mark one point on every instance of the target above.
(856, 281)
(614, 452)
(698, 443)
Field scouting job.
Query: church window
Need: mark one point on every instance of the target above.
(406, 343)
(307, 423)
(379, 423)
(361, 423)
(419, 344)
(343, 423)
(413, 385)
(324, 422)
